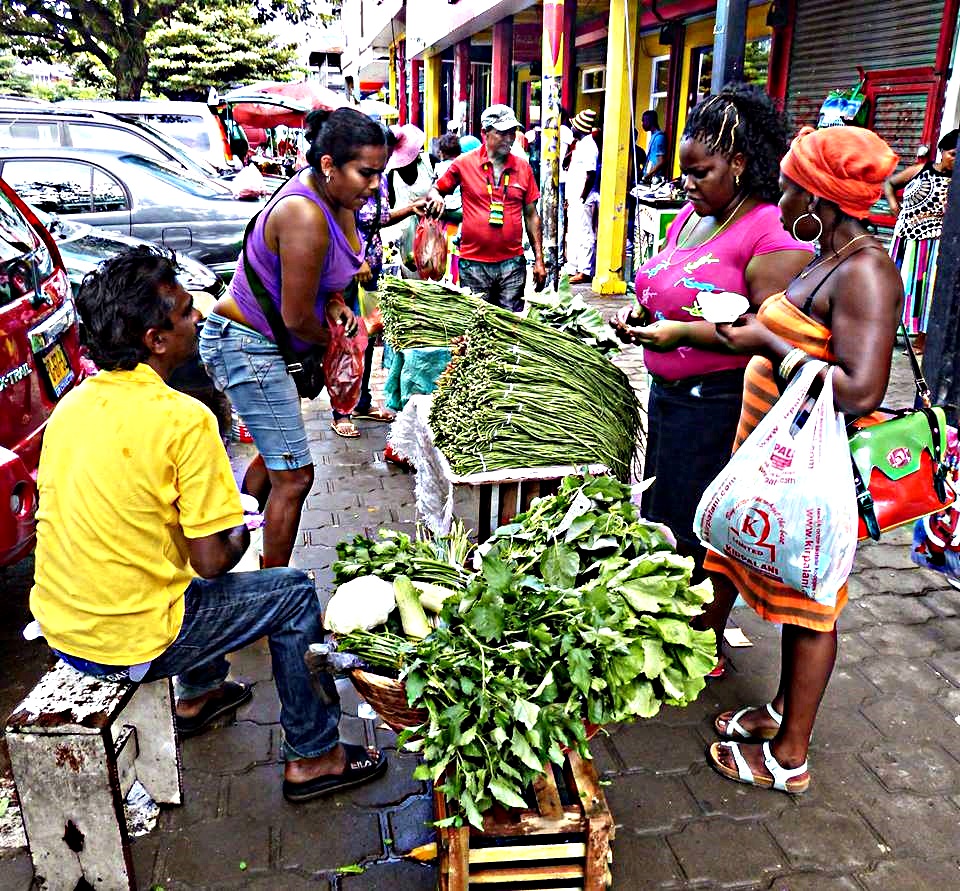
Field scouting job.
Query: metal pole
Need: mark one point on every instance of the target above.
(550, 88)
(729, 43)
(941, 359)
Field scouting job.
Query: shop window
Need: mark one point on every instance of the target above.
(659, 84)
(756, 64)
(593, 80)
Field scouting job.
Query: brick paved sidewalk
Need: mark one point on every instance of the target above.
(883, 811)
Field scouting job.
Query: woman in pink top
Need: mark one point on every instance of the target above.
(728, 238)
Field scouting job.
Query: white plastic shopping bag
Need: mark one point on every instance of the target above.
(785, 505)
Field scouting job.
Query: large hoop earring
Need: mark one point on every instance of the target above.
(816, 237)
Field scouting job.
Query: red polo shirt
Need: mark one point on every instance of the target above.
(473, 172)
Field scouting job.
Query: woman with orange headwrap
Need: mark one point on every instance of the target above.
(842, 308)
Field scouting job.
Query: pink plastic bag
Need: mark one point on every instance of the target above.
(343, 367)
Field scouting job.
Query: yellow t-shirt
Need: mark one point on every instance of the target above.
(129, 470)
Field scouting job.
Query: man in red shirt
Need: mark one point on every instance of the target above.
(499, 190)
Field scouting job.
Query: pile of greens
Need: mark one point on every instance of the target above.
(518, 393)
(569, 313)
(586, 619)
(439, 561)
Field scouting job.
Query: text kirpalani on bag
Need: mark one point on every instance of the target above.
(785, 505)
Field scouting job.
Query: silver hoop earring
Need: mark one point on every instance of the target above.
(816, 237)
(327, 176)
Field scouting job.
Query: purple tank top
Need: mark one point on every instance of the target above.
(339, 266)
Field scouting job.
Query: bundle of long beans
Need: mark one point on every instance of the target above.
(419, 314)
(517, 393)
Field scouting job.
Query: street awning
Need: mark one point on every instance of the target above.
(272, 103)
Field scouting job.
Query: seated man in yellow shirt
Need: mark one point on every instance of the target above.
(140, 522)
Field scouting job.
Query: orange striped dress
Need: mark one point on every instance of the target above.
(771, 600)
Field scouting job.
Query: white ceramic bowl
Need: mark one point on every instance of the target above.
(722, 306)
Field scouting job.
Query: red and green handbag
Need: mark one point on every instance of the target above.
(898, 465)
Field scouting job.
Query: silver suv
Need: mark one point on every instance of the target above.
(25, 125)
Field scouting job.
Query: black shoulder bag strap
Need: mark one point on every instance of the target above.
(281, 335)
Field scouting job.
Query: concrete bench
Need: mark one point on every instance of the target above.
(77, 744)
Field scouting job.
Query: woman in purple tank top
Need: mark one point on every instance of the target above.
(306, 251)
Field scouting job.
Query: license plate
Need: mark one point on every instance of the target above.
(58, 370)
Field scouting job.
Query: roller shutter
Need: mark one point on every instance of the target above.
(896, 37)
(831, 38)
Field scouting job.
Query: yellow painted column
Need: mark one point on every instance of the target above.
(611, 232)
(393, 77)
(431, 97)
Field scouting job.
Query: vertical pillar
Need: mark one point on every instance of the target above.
(402, 80)
(569, 87)
(392, 76)
(616, 148)
(431, 97)
(675, 94)
(461, 81)
(779, 71)
(729, 43)
(502, 68)
(553, 53)
(416, 113)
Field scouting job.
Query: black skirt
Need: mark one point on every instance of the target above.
(691, 427)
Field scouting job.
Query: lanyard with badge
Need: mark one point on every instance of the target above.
(496, 204)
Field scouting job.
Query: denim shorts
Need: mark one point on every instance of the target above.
(501, 284)
(248, 367)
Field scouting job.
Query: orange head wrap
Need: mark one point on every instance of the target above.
(845, 165)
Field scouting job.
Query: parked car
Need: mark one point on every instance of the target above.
(44, 125)
(134, 195)
(191, 123)
(83, 248)
(39, 362)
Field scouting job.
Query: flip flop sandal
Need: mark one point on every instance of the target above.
(363, 765)
(345, 428)
(375, 414)
(794, 780)
(734, 730)
(231, 696)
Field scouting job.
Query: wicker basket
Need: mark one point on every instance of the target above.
(388, 698)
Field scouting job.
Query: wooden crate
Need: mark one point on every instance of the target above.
(562, 843)
(485, 501)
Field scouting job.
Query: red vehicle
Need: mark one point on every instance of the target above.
(39, 362)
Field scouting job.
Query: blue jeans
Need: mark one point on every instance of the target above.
(501, 284)
(227, 613)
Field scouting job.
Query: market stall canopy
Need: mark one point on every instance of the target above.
(256, 136)
(380, 109)
(271, 103)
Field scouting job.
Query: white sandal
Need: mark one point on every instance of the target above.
(780, 776)
(734, 730)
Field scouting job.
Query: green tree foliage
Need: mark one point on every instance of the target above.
(12, 83)
(214, 48)
(115, 32)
